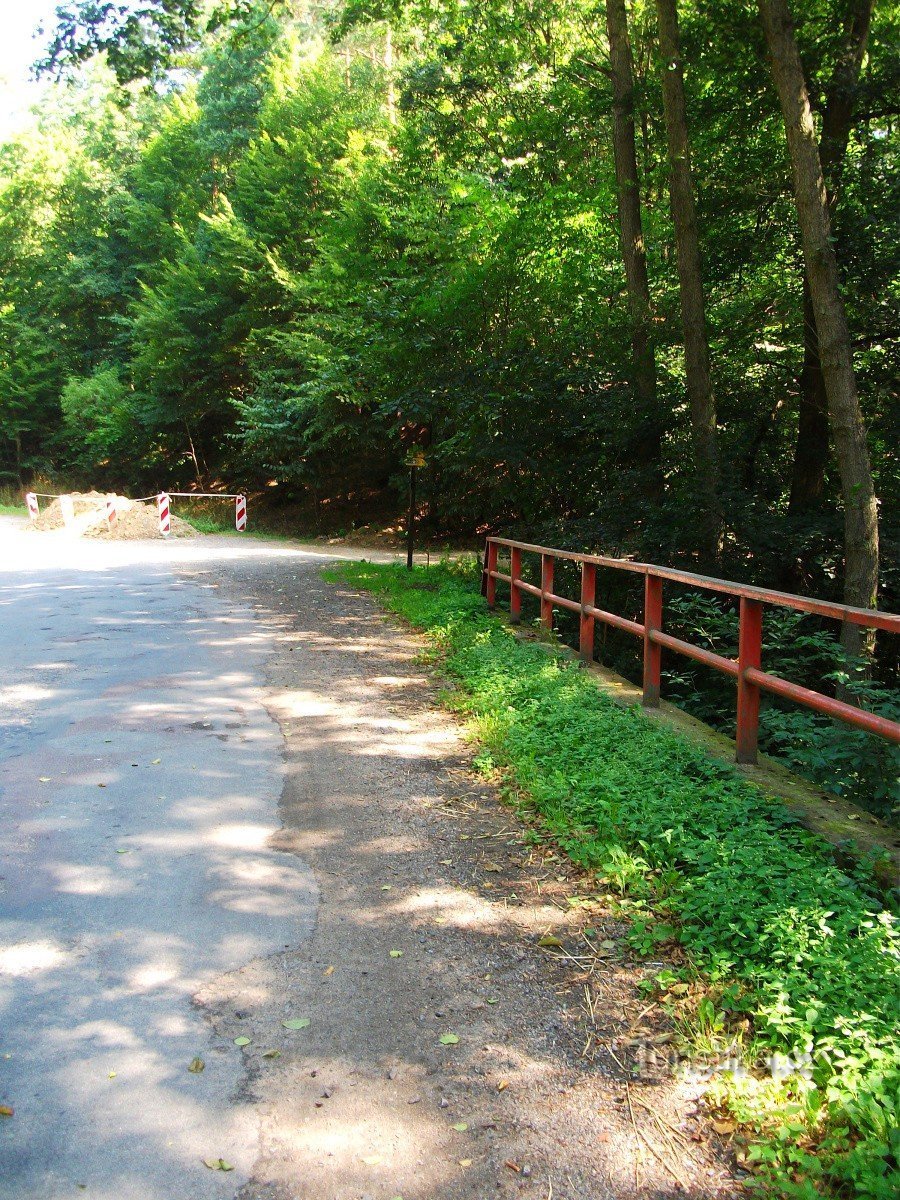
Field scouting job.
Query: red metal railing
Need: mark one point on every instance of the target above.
(746, 669)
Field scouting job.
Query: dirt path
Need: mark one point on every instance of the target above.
(432, 902)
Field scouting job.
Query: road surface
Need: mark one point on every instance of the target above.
(139, 781)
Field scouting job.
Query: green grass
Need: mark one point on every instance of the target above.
(792, 955)
(204, 523)
(13, 510)
(211, 522)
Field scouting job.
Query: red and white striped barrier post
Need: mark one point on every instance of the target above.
(240, 513)
(112, 514)
(31, 500)
(165, 523)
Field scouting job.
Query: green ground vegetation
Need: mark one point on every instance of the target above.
(795, 961)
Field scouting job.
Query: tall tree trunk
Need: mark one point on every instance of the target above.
(690, 279)
(187, 430)
(811, 448)
(634, 254)
(847, 426)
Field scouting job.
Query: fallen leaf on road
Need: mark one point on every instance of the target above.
(123, 852)
(373, 1160)
(449, 1039)
(217, 1164)
(493, 1000)
(296, 1023)
(271, 1054)
(155, 762)
(328, 971)
(196, 1065)
(465, 1162)
(242, 1041)
(460, 1126)
(549, 940)
(502, 1085)
(43, 779)
(101, 785)
(396, 953)
(385, 887)
(6, 1110)
(493, 868)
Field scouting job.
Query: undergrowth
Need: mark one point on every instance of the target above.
(798, 959)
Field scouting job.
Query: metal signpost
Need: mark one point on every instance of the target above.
(414, 460)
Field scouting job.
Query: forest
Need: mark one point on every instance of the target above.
(626, 272)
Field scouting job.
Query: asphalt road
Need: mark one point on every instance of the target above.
(139, 780)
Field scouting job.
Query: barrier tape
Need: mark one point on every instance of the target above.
(240, 504)
(163, 504)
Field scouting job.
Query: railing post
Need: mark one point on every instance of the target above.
(515, 596)
(749, 655)
(653, 617)
(588, 599)
(546, 586)
(490, 583)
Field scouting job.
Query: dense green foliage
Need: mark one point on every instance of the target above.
(781, 934)
(307, 236)
(323, 227)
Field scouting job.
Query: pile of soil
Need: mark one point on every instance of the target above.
(85, 504)
(137, 520)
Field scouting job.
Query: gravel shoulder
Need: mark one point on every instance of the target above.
(433, 899)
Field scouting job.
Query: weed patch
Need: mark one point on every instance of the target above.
(798, 958)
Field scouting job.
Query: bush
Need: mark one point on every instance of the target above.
(859, 766)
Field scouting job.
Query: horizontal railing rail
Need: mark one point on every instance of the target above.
(746, 669)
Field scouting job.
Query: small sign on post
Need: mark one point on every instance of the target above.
(414, 460)
(240, 513)
(32, 501)
(165, 523)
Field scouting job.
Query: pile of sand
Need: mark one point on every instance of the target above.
(85, 505)
(137, 520)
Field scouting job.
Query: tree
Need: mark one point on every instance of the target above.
(143, 43)
(847, 425)
(811, 448)
(693, 306)
(631, 231)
